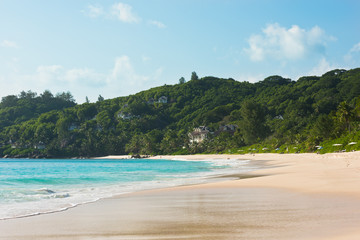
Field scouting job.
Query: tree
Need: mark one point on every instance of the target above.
(87, 99)
(103, 119)
(22, 94)
(29, 94)
(182, 80)
(9, 101)
(170, 142)
(253, 122)
(86, 112)
(323, 128)
(46, 95)
(134, 145)
(194, 76)
(345, 114)
(66, 96)
(44, 132)
(62, 126)
(100, 98)
(357, 109)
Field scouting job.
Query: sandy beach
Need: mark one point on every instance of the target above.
(298, 196)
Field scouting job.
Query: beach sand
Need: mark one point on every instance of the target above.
(300, 196)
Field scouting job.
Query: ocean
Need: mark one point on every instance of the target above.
(31, 187)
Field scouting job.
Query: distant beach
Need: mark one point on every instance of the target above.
(298, 196)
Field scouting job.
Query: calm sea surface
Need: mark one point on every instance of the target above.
(29, 187)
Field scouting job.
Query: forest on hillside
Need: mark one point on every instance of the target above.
(276, 114)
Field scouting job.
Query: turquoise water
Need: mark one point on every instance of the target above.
(30, 187)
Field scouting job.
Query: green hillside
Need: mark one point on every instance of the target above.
(273, 113)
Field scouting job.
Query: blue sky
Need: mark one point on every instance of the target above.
(117, 48)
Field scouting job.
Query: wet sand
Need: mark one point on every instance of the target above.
(301, 197)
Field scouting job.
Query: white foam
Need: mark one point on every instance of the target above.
(46, 200)
(46, 190)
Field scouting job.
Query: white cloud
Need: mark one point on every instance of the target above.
(49, 74)
(255, 51)
(94, 11)
(145, 58)
(8, 44)
(124, 13)
(323, 67)
(119, 11)
(351, 56)
(158, 72)
(124, 73)
(157, 23)
(9, 64)
(286, 44)
(355, 48)
(57, 75)
(250, 78)
(121, 80)
(86, 76)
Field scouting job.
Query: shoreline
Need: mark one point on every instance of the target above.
(209, 178)
(318, 189)
(307, 172)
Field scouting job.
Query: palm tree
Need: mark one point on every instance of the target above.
(345, 114)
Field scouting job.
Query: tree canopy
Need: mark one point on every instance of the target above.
(275, 112)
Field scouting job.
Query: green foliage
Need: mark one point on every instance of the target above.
(276, 113)
(100, 98)
(194, 76)
(182, 80)
(253, 122)
(17, 109)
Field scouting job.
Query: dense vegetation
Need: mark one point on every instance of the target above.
(276, 113)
